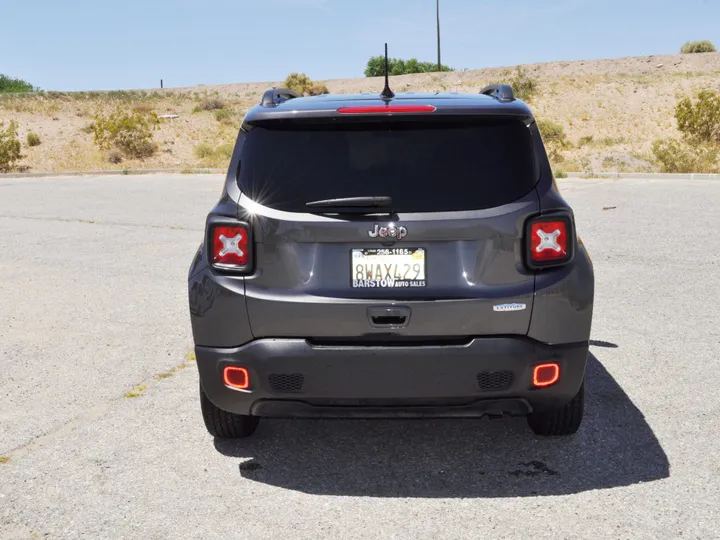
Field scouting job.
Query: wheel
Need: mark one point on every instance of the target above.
(562, 420)
(223, 424)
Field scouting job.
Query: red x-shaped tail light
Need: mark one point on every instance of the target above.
(230, 246)
(550, 241)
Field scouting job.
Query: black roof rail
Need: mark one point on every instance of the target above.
(501, 92)
(275, 96)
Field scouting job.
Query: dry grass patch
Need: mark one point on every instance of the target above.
(136, 392)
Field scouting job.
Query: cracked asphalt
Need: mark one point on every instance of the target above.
(93, 308)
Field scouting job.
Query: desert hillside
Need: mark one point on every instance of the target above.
(611, 110)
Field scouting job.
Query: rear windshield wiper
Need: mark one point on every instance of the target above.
(351, 202)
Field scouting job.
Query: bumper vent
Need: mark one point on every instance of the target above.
(286, 383)
(492, 381)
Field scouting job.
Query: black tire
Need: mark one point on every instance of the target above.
(564, 420)
(223, 424)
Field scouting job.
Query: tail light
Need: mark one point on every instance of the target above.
(550, 241)
(230, 246)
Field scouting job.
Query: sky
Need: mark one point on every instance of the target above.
(130, 44)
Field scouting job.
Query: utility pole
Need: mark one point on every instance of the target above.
(437, 5)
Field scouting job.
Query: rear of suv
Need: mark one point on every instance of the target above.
(391, 257)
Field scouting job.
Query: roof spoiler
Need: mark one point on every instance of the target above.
(276, 96)
(502, 92)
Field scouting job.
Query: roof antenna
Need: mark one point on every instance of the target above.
(387, 93)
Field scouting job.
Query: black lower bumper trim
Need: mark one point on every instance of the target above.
(299, 409)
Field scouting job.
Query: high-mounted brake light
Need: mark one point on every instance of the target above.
(387, 109)
(229, 246)
(549, 241)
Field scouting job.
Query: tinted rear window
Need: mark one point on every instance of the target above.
(423, 167)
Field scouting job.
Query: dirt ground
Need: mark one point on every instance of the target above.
(612, 111)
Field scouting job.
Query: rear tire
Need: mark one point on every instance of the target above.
(563, 420)
(223, 424)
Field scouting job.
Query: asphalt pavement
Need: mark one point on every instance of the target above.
(101, 435)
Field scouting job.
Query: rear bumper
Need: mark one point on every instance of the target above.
(294, 378)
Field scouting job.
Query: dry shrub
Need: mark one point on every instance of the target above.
(33, 139)
(704, 46)
(212, 104)
(524, 86)
(132, 133)
(555, 139)
(114, 156)
(214, 157)
(142, 108)
(9, 147)
(224, 151)
(676, 156)
(317, 89)
(222, 115)
(700, 118)
(299, 82)
(203, 150)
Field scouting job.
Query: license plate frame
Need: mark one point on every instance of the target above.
(408, 279)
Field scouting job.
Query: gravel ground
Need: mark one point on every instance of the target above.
(94, 304)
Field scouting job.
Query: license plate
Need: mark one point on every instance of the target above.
(388, 268)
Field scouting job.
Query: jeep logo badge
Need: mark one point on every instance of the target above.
(388, 232)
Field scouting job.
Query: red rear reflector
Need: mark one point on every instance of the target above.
(546, 374)
(230, 245)
(548, 241)
(236, 377)
(374, 109)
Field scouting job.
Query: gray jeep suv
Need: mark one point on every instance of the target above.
(391, 256)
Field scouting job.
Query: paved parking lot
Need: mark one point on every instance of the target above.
(93, 311)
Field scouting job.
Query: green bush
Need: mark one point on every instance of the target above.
(11, 85)
(9, 147)
(555, 139)
(129, 132)
(33, 139)
(584, 141)
(676, 156)
(523, 85)
(397, 66)
(697, 47)
(560, 174)
(298, 82)
(700, 119)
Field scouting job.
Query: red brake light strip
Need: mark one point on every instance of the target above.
(387, 109)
